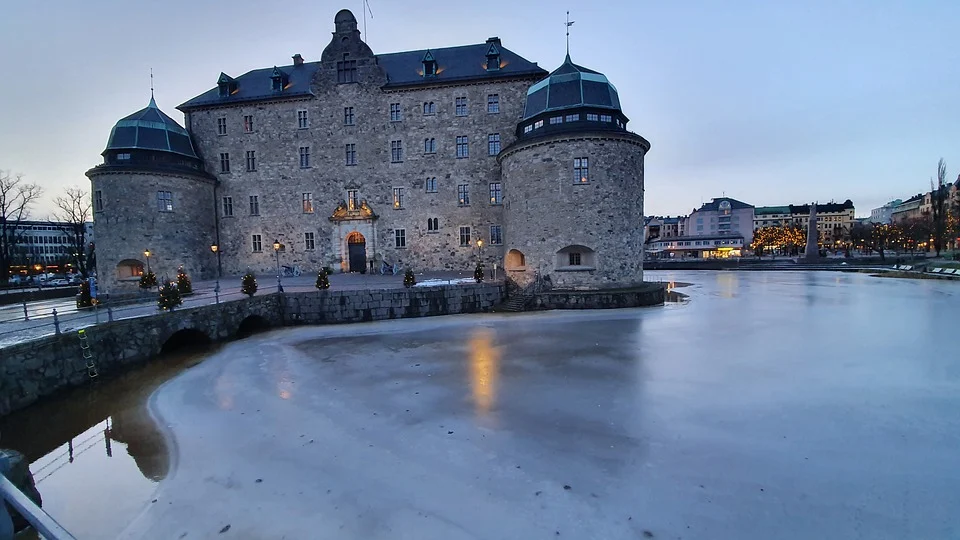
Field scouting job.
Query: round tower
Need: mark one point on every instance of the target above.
(573, 184)
(151, 193)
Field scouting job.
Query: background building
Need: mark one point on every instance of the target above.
(884, 213)
(45, 246)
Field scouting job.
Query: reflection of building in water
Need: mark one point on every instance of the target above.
(484, 370)
(145, 443)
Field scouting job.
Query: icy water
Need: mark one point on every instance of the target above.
(770, 405)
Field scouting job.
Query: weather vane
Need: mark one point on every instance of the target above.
(569, 24)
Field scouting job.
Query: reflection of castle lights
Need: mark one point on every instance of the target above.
(484, 370)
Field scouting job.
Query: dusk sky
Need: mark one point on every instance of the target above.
(767, 102)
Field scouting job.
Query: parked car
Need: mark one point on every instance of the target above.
(16, 280)
(58, 282)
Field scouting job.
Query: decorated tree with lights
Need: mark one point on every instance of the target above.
(83, 298)
(323, 280)
(409, 280)
(148, 280)
(248, 285)
(183, 282)
(478, 273)
(169, 297)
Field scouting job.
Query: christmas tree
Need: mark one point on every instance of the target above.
(478, 273)
(323, 281)
(169, 296)
(248, 285)
(183, 282)
(408, 279)
(84, 299)
(148, 280)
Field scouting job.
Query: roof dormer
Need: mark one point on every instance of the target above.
(493, 54)
(429, 65)
(278, 79)
(226, 84)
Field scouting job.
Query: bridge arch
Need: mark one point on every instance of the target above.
(185, 338)
(252, 324)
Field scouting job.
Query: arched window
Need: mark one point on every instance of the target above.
(129, 269)
(575, 258)
(516, 260)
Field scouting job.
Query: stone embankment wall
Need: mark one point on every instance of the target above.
(32, 370)
(648, 294)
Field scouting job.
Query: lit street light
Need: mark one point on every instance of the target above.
(276, 249)
(216, 290)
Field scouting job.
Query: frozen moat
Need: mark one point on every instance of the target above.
(771, 405)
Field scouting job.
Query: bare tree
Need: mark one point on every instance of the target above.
(16, 198)
(71, 216)
(938, 200)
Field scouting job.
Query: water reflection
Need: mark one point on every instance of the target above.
(484, 371)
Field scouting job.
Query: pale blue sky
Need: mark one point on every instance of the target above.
(767, 102)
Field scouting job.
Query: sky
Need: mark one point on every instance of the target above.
(771, 103)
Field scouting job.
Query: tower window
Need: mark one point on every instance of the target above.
(396, 151)
(429, 108)
(251, 160)
(430, 146)
(496, 193)
(304, 157)
(493, 144)
(98, 201)
(395, 115)
(351, 150)
(348, 116)
(165, 201)
(303, 121)
(307, 203)
(224, 162)
(248, 123)
(257, 243)
(496, 235)
(254, 205)
(400, 238)
(461, 106)
(431, 185)
(227, 206)
(433, 225)
(581, 170)
(398, 198)
(221, 126)
(463, 147)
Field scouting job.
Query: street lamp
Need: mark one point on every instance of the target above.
(479, 251)
(276, 249)
(216, 290)
(146, 253)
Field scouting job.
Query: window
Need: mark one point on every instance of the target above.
(493, 103)
(396, 151)
(227, 206)
(496, 193)
(248, 123)
(347, 71)
(574, 258)
(463, 194)
(224, 162)
(98, 201)
(429, 108)
(461, 106)
(251, 160)
(592, 117)
(581, 170)
(464, 236)
(353, 202)
(307, 203)
(527, 129)
(572, 118)
(433, 224)
(304, 157)
(398, 197)
(556, 120)
(432, 185)
(165, 201)
(303, 121)
(395, 112)
(123, 157)
(348, 117)
(605, 118)
(254, 205)
(351, 150)
(538, 124)
(309, 242)
(496, 235)
(493, 144)
(463, 148)
(257, 243)
(221, 126)
(400, 238)
(430, 146)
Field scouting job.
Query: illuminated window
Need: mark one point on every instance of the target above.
(353, 202)
(527, 129)
(463, 195)
(496, 235)
(538, 124)
(581, 170)
(496, 193)
(464, 236)
(165, 201)
(307, 203)
(248, 123)
(398, 197)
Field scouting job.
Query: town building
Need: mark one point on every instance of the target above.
(834, 220)
(907, 210)
(722, 216)
(662, 227)
(45, 246)
(884, 214)
(771, 216)
(701, 247)
(361, 159)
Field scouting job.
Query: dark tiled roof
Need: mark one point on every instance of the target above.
(822, 208)
(150, 129)
(765, 210)
(571, 86)
(454, 64)
(714, 205)
(463, 63)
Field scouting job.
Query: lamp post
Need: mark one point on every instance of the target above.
(276, 249)
(216, 290)
(146, 253)
(479, 251)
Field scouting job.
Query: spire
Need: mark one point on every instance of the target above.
(569, 24)
(151, 85)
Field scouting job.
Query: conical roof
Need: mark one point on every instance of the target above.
(150, 129)
(571, 86)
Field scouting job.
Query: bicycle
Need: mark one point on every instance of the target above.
(394, 269)
(291, 271)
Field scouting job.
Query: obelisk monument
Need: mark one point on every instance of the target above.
(812, 253)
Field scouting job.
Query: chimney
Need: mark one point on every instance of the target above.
(495, 40)
(297, 60)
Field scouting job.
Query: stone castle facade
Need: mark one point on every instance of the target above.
(432, 159)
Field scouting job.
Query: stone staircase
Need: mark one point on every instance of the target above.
(517, 302)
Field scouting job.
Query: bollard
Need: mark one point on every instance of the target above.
(56, 322)
(109, 314)
(25, 316)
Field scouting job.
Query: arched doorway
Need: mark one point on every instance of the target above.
(357, 252)
(516, 260)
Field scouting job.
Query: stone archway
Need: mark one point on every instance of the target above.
(357, 252)
(516, 261)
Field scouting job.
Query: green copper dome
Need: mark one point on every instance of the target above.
(570, 87)
(150, 129)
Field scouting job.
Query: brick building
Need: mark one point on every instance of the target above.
(361, 158)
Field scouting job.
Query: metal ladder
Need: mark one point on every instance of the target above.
(92, 371)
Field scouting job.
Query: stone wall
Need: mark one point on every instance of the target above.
(548, 214)
(32, 370)
(130, 223)
(648, 294)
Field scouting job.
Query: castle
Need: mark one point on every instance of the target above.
(434, 159)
